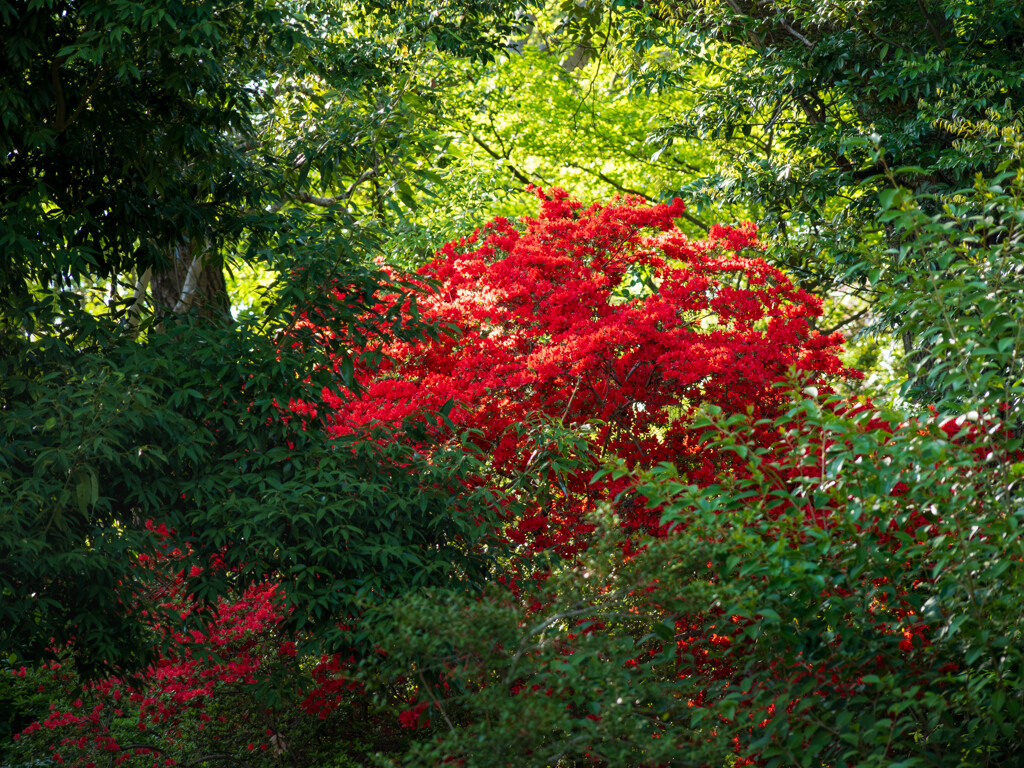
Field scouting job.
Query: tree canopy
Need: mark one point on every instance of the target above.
(149, 149)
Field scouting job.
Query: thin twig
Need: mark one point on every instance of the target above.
(435, 700)
(796, 34)
(515, 171)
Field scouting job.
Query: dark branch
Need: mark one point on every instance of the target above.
(846, 321)
(628, 191)
(796, 34)
(515, 171)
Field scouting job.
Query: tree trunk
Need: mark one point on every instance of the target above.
(194, 279)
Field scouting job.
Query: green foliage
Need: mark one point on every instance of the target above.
(953, 283)
(189, 430)
(889, 628)
(128, 128)
(549, 685)
(124, 127)
(795, 94)
(93, 724)
(21, 702)
(862, 611)
(545, 115)
(542, 123)
(133, 133)
(864, 596)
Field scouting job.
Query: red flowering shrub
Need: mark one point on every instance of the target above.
(805, 608)
(611, 323)
(236, 689)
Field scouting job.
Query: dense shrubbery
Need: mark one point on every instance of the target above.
(581, 490)
(839, 593)
(708, 560)
(593, 332)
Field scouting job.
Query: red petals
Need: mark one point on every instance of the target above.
(608, 316)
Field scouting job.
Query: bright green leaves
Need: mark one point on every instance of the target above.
(953, 282)
(783, 96)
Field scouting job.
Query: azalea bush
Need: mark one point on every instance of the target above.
(600, 331)
(235, 687)
(840, 590)
(605, 323)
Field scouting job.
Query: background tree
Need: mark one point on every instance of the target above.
(148, 148)
(801, 108)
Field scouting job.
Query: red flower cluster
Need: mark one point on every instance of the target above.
(611, 321)
(197, 695)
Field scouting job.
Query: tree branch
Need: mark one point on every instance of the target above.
(610, 181)
(306, 197)
(87, 95)
(436, 701)
(756, 38)
(846, 321)
(515, 171)
(932, 27)
(796, 34)
(628, 191)
(58, 119)
(327, 202)
(366, 175)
